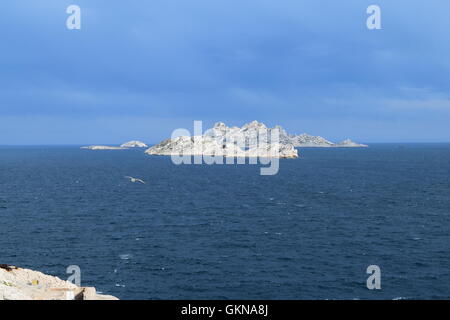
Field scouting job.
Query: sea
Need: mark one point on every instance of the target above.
(225, 231)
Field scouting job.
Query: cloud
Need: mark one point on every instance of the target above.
(411, 99)
(423, 104)
(226, 60)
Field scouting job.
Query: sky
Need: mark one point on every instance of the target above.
(141, 69)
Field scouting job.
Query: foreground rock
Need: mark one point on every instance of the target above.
(134, 144)
(24, 284)
(103, 148)
(251, 140)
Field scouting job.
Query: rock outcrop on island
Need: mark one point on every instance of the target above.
(208, 146)
(134, 144)
(103, 148)
(24, 284)
(251, 140)
(305, 140)
(308, 141)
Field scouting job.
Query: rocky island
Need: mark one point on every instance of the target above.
(134, 144)
(24, 284)
(103, 148)
(308, 141)
(126, 145)
(252, 140)
(222, 140)
(349, 144)
(305, 140)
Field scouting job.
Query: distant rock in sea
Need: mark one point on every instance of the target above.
(134, 144)
(23, 284)
(103, 148)
(228, 142)
(349, 144)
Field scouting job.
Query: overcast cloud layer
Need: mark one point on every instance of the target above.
(139, 69)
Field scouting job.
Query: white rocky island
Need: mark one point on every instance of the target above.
(103, 148)
(134, 144)
(225, 141)
(349, 144)
(308, 141)
(251, 140)
(126, 145)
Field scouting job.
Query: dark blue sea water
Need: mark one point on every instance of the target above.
(222, 231)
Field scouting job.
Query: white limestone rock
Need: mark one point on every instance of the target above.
(251, 140)
(247, 141)
(134, 144)
(306, 140)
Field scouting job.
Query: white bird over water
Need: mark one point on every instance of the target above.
(135, 180)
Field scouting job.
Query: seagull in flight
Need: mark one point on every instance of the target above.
(135, 180)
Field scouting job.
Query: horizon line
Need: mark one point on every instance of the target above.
(150, 144)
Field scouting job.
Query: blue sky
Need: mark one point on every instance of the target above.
(139, 69)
